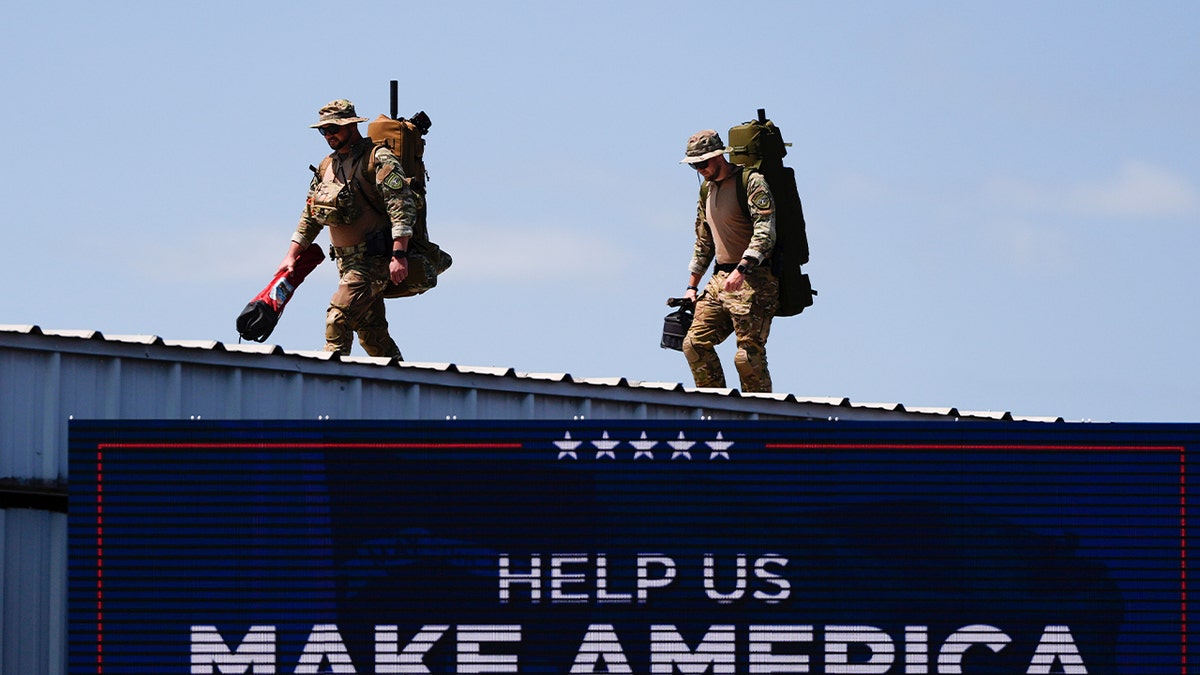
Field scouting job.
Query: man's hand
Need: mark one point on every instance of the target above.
(289, 261)
(734, 281)
(398, 270)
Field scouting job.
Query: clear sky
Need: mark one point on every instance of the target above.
(1003, 198)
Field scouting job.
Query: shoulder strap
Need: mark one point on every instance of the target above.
(372, 192)
(743, 191)
(371, 161)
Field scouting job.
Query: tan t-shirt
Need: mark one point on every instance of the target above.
(731, 229)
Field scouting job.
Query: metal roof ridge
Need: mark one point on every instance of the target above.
(195, 344)
(607, 381)
(439, 366)
(496, 371)
(776, 395)
(552, 377)
(254, 348)
(723, 391)
(504, 371)
(82, 334)
(934, 410)
(135, 339)
(986, 414)
(825, 400)
(879, 405)
(1037, 418)
(373, 360)
(24, 328)
(666, 386)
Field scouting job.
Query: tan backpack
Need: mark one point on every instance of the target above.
(405, 138)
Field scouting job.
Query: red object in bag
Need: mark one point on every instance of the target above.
(259, 317)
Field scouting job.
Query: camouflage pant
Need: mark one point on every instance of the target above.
(746, 312)
(357, 307)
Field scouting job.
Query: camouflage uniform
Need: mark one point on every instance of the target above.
(747, 311)
(374, 209)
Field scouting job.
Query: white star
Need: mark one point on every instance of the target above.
(566, 447)
(605, 447)
(681, 447)
(642, 447)
(719, 446)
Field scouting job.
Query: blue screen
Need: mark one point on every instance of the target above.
(628, 547)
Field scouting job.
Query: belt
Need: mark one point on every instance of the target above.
(345, 251)
(729, 267)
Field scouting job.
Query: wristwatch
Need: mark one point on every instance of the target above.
(400, 255)
(746, 266)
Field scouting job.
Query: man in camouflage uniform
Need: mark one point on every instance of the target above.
(360, 192)
(743, 293)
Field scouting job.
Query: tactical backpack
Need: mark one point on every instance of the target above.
(406, 139)
(757, 145)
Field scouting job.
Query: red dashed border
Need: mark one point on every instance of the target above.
(774, 446)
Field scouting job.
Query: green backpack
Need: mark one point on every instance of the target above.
(758, 146)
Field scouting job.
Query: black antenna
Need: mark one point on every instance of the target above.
(762, 115)
(395, 99)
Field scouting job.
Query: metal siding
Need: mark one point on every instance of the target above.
(205, 393)
(33, 637)
(23, 397)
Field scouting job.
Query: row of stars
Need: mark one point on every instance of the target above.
(643, 448)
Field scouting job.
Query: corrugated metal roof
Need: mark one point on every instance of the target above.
(87, 374)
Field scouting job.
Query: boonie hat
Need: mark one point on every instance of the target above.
(339, 112)
(703, 145)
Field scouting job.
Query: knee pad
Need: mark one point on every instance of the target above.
(338, 334)
(750, 360)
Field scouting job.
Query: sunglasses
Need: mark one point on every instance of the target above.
(700, 166)
(329, 130)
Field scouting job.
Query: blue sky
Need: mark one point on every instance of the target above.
(1003, 198)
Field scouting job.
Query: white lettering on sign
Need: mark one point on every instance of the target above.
(568, 576)
(211, 655)
(495, 648)
(579, 578)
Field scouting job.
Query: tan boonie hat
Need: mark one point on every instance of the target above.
(338, 112)
(703, 145)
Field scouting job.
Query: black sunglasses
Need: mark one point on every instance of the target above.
(699, 166)
(329, 130)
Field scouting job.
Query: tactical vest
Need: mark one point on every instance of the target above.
(350, 205)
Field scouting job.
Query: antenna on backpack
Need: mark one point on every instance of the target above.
(395, 99)
(762, 115)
